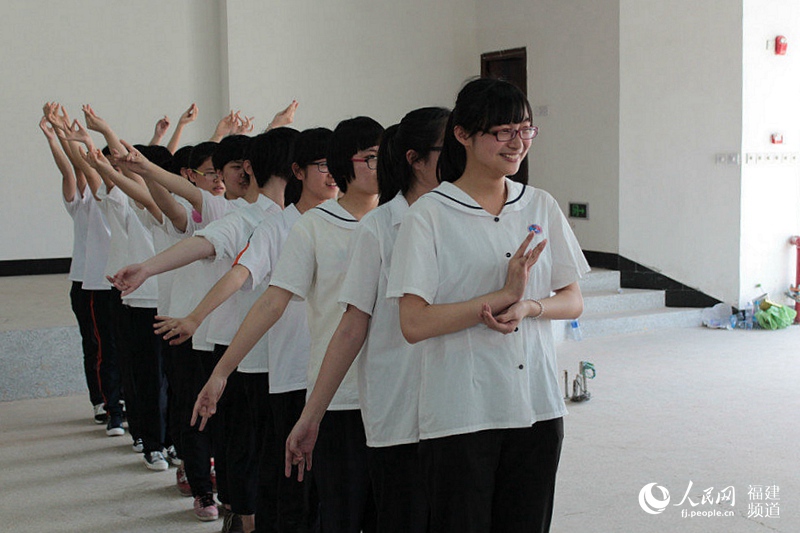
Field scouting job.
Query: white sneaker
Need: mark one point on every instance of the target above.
(138, 446)
(172, 456)
(100, 415)
(155, 461)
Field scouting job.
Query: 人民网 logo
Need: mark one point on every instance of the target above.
(649, 502)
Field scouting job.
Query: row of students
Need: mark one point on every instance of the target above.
(123, 195)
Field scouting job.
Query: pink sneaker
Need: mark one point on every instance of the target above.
(183, 481)
(205, 508)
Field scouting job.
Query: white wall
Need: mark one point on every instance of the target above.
(770, 190)
(343, 59)
(680, 104)
(573, 69)
(134, 62)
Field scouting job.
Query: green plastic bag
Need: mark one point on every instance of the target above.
(776, 317)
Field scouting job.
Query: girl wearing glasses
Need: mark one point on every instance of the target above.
(481, 266)
(388, 369)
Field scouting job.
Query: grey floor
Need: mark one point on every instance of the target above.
(714, 410)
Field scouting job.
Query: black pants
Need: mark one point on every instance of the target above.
(493, 481)
(80, 300)
(400, 497)
(143, 377)
(242, 448)
(189, 370)
(347, 504)
(104, 312)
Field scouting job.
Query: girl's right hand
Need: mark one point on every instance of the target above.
(206, 405)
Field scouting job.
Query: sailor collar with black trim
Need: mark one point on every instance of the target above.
(336, 214)
(451, 196)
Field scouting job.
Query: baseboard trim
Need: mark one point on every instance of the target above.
(636, 276)
(35, 267)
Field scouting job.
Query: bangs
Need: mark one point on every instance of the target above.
(505, 105)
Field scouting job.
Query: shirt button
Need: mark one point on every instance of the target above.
(508, 254)
(521, 367)
(516, 329)
(497, 219)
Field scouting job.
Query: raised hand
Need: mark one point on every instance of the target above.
(96, 160)
(175, 330)
(225, 126)
(161, 127)
(519, 266)
(190, 115)
(206, 405)
(285, 117)
(47, 129)
(243, 125)
(300, 447)
(93, 122)
(134, 161)
(76, 133)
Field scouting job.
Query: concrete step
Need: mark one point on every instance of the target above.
(609, 301)
(600, 279)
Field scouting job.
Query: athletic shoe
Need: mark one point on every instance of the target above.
(138, 446)
(204, 508)
(100, 415)
(172, 456)
(155, 461)
(114, 427)
(183, 481)
(232, 523)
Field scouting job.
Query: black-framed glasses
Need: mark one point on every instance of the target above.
(370, 160)
(209, 174)
(507, 134)
(322, 166)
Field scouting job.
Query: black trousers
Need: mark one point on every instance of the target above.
(493, 481)
(80, 300)
(141, 365)
(104, 306)
(400, 498)
(347, 504)
(189, 370)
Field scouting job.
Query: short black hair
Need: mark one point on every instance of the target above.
(481, 104)
(270, 154)
(350, 136)
(311, 145)
(180, 159)
(419, 131)
(156, 154)
(231, 148)
(201, 152)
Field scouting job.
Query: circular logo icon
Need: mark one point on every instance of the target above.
(649, 502)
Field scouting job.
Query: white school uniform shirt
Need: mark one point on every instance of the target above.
(166, 235)
(229, 235)
(189, 288)
(284, 350)
(449, 250)
(389, 367)
(130, 243)
(98, 242)
(312, 266)
(79, 211)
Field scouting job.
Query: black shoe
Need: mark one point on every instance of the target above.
(114, 427)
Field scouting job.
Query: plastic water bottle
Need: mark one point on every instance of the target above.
(748, 315)
(575, 330)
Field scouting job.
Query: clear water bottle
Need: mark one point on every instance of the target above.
(575, 330)
(748, 315)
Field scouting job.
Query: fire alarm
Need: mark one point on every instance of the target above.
(777, 138)
(780, 45)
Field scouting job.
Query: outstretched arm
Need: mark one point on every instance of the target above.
(69, 185)
(342, 350)
(171, 208)
(95, 123)
(178, 330)
(134, 161)
(262, 316)
(132, 188)
(180, 254)
(420, 320)
(188, 116)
